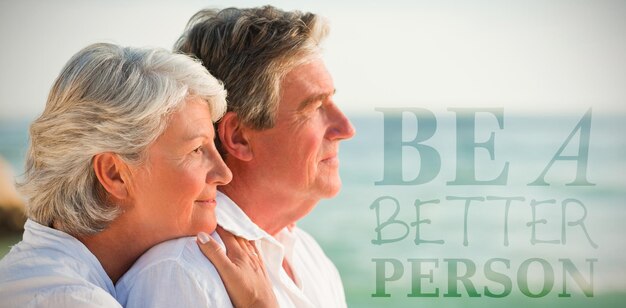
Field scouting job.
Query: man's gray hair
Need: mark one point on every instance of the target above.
(107, 99)
(251, 50)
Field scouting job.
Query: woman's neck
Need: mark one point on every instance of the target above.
(116, 248)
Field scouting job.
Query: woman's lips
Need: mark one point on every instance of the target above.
(207, 202)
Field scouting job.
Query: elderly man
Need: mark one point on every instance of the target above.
(280, 138)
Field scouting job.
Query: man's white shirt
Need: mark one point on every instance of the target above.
(176, 273)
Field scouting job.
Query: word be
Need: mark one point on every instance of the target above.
(430, 160)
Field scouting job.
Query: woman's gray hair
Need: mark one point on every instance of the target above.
(107, 99)
(251, 50)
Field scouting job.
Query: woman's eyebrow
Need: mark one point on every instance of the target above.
(197, 135)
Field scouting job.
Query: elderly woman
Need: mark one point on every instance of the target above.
(121, 159)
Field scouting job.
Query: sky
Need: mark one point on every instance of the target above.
(559, 56)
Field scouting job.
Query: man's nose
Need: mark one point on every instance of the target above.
(340, 126)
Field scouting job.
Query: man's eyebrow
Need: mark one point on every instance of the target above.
(315, 98)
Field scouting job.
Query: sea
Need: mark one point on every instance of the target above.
(452, 210)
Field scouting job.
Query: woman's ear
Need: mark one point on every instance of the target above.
(234, 138)
(109, 169)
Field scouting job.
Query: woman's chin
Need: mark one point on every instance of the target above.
(208, 227)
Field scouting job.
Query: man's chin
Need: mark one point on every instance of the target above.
(332, 189)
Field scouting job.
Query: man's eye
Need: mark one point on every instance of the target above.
(316, 106)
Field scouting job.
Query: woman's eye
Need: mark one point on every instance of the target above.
(198, 150)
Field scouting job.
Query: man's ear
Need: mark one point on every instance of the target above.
(233, 136)
(110, 171)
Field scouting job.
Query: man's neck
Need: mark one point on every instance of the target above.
(269, 210)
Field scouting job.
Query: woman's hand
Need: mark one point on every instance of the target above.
(241, 269)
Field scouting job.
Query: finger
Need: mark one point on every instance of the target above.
(252, 255)
(212, 250)
(255, 255)
(247, 253)
(260, 257)
(233, 248)
(252, 251)
(255, 249)
(243, 244)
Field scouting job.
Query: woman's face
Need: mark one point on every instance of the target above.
(173, 192)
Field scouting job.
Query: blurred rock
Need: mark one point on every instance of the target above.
(12, 211)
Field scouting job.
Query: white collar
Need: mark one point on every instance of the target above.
(233, 219)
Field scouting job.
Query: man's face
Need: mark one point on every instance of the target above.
(299, 155)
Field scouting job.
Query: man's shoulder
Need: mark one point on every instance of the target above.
(172, 273)
(318, 274)
(176, 249)
(309, 252)
(180, 254)
(307, 241)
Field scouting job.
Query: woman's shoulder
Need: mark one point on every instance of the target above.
(33, 277)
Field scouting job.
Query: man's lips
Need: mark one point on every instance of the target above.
(331, 159)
